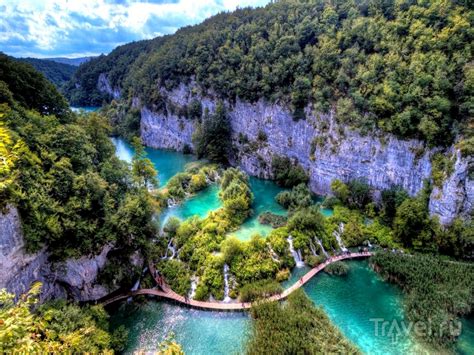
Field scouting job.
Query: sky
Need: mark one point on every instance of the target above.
(78, 28)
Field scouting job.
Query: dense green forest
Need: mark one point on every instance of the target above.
(58, 73)
(404, 67)
(74, 195)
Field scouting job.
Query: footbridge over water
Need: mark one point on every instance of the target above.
(169, 294)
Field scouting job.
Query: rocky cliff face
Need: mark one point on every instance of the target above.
(324, 148)
(104, 85)
(456, 197)
(74, 278)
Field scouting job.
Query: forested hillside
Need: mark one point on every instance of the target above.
(404, 67)
(73, 194)
(57, 73)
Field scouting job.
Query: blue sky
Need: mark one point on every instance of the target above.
(76, 28)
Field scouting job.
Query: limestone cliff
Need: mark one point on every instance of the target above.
(326, 149)
(103, 84)
(75, 278)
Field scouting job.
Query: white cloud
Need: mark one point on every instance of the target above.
(55, 27)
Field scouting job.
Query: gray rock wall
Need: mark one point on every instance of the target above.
(326, 149)
(74, 278)
(103, 85)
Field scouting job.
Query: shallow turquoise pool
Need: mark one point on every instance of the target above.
(198, 205)
(198, 332)
(168, 163)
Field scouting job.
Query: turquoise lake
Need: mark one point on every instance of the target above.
(168, 163)
(85, 109)
(352, 302)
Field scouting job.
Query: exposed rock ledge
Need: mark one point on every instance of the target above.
(75, 278)
(324, 148)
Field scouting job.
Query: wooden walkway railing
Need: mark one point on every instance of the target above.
(169, 294)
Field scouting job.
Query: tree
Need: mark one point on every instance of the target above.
(340, 190)
(142, 167)
(212, 138)
(54, 327)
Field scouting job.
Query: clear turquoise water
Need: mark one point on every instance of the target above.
(198, 332)
(167, 162)
(465, 345)
(85, 108)
(200, 205)
(352, 301)
(349, 301)
(264, 192)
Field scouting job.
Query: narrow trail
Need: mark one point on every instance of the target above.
(168, 293)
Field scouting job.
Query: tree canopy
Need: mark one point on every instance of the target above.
(404, 67)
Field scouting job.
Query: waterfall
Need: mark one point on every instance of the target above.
(171, 248)
(322, 248)
(337, 234)
(136, 285)
(313, 249)
(296, 254)
(226, 283)
(194, 283)
(171, 202)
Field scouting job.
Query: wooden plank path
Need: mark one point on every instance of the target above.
(169, 294)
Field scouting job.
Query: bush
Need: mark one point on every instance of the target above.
(287, 173)
(338, 268)
(176, 275)
(272, 219)
(282, 275)
(298, 197)
(313, 260)
(259, 290)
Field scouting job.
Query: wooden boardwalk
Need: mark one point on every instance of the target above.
(168, 293)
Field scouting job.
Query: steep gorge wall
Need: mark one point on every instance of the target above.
(75, 278)
(324, 148)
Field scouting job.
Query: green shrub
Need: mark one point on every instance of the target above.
(338, 268)
(272, 219)
(286, 329)
(287, 173)
(259, 290)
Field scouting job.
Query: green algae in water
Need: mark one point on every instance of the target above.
(198, 332)
(167, 162)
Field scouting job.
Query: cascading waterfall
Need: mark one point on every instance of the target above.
(136, 285)
(322, 248)
(170, 247)
(312, 248)
(194, 283)
(337, 233)
(171, 202)
(295, 253)
(226, 283)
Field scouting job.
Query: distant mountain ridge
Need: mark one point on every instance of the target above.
(71, 61)
(56, 72)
